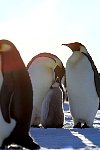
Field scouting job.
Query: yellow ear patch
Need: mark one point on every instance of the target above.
(5, 47)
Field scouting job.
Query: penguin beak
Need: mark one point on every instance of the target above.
(70, 45)
(66, 45)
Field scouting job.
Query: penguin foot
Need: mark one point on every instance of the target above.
(35, 126)
(78, 125)
(85, 126)
(5, 144)
(27, 142)
(15, 147)
(24, 141)
(54, 126)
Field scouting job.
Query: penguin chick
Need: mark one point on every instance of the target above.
(81, 87)
(52, 114)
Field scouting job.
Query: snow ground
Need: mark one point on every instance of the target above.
(68, 137)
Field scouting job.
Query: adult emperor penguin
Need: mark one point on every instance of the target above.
(82, 86)
(43, 70)
(52, 114)
(16, 98)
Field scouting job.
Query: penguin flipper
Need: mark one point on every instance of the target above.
(96, 74)
(5, 101)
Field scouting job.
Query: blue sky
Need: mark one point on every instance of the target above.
(36, 26)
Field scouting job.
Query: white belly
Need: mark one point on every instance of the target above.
(83, 98)
(5, 128)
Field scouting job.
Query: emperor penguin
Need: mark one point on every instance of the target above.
(52, 114)
(16, 99)
(82, 86)
(43, 69)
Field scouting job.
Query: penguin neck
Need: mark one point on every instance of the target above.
(55, 85)
(75, 57)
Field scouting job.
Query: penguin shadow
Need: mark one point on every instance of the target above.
(92, 137)
(53, 138)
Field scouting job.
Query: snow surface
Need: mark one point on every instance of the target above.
(68, 137)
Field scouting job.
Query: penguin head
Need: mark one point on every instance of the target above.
(76, 47)
(59, 72)
(49, 61)
(5, 45)
(11, 57)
